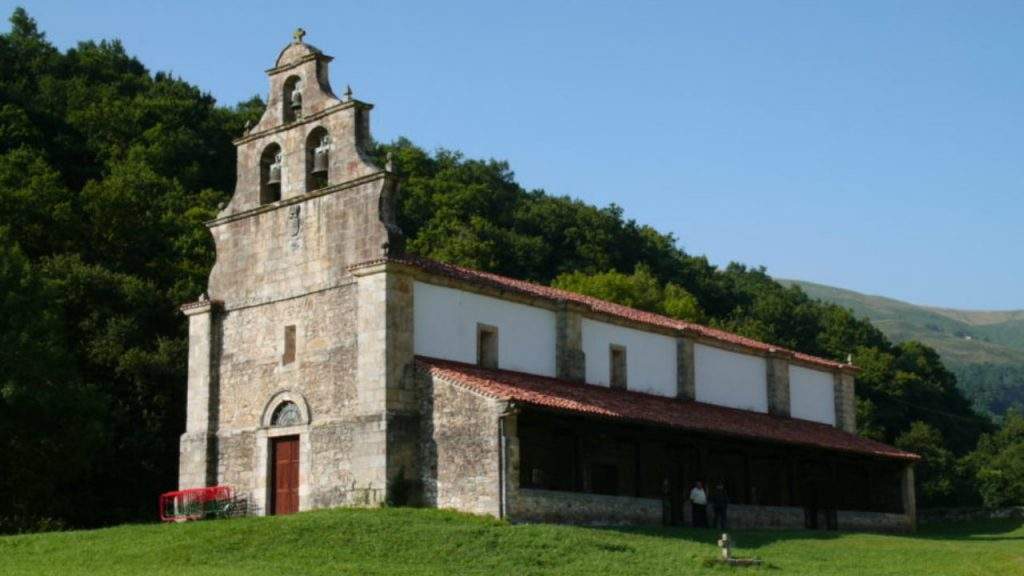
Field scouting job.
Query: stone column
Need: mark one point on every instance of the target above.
(908, 497)
(384, 320)
(569, 358)
(509, 475)
(197, 463)
(778, 385)
(846, 405)
(686, 382)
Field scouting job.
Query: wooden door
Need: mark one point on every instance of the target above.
(285, 475)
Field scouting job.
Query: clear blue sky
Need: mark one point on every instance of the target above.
(877, 146)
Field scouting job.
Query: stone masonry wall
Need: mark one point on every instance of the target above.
(323, 372)
(346, 463)
(856, 520)
(778, 386)
(846, 402)
(570, 360)
(943, 515)
(530, 505)
(779, 517)
(459, 461)
(297, 247)
(792, 518)
(345, 460)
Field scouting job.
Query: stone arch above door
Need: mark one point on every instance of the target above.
(281, 399)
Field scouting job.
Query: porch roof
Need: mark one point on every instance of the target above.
(599, 401)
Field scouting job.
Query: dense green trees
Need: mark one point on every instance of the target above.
(106, 174)
(998, 463)
(108, 171)
(995, 388)
(638, 290)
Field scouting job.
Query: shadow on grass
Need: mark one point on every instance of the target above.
(979, 531)
(1007, 529)
(745, 538)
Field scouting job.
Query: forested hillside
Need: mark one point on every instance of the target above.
(107, 172)
(984, 349)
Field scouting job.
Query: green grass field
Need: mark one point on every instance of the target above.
(406, 541)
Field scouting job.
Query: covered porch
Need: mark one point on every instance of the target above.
(564, 467)
(586, 454)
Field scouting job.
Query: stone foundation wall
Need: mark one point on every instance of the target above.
(856, 520)
(741, 517)
(529, 505)
(939, 515)
(774, 517)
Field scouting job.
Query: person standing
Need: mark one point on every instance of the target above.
(719, 502)
(699, 500)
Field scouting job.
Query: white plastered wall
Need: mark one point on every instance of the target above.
(445, 325)
(812, 395)
(730, 379)
(650, 358)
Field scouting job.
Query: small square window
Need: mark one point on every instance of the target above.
(617, 355)
(486, 346)
(289, 345)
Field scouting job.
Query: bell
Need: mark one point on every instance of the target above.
(274, 175)
(320, 160)
(297, 102)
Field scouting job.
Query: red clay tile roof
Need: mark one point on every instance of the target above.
(602, 306)
(598, 401)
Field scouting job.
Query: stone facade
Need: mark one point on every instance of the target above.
(282, 273)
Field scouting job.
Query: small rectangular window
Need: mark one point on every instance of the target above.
(289, 345)
(618, 366)
(486, 346)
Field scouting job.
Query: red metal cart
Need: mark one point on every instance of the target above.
(196, 503)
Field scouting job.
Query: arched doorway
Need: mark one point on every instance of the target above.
(282, 455)
(284, 473)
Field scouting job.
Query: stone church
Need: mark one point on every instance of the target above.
(329, 368)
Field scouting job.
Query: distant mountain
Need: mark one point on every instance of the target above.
(985, 349)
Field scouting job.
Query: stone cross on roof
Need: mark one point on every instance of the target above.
(298, 35)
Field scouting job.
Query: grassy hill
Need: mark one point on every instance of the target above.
(984, 348)
(413, 542)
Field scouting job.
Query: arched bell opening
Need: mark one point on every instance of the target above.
(291, 100)
(270, 174)
(318, 159)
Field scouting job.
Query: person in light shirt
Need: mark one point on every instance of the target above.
(699, 499)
